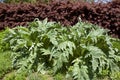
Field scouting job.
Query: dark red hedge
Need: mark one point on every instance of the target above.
(65, 12)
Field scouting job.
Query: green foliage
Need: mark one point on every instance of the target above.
(116, 44)
(59, 77)
(5, 63)
(37, 76)
(2, 34)
(14, 76)
(83, 51)
(5, 60)
(116, 76)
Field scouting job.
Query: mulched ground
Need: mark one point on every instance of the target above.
(65, 12)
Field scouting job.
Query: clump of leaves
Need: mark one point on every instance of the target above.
(83, 51)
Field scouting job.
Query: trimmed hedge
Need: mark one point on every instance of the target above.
(106, 15)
